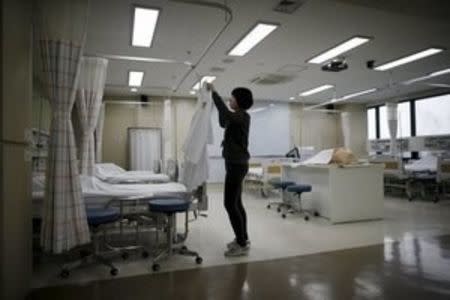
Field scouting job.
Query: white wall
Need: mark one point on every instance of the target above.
(314, 128)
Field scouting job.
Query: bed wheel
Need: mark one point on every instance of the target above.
(316, 214)
(283, 216)
(198, 260)
(156, 267)
(125, 255)
(278, 209)
(145, 254)
(306, 218)
(268, 206)
(114, 272)
(64, 273)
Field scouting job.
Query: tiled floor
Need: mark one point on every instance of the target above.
(418, 268)
(274, 238)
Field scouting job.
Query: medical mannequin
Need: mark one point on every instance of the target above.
(235, 152)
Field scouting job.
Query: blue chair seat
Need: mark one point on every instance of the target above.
(283, 184)
(299, 188)
(168, 205)
(99, 216)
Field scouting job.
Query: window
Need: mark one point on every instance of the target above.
(404, 120)
(371, 124)
(433, 115)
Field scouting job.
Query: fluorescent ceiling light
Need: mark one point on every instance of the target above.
(431, 75)
(204, 79)
(135, 78)
(144, 25)
(134, 90)
(255, 36)
(439, 73)
(353, 95)
(408, 59)
(317, 90)
(339, 49)
(292, 98)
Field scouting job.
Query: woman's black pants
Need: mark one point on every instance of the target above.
(234, 177)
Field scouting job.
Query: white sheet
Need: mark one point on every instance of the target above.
(195, 171)
(94, 187)
(425, 164)
(322, 158)
(112, 173)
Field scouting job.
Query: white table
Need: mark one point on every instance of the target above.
(340, 194)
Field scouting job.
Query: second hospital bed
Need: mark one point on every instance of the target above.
(112, 173)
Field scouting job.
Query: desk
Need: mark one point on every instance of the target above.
(341, 194)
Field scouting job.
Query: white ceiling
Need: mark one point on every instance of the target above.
(184, 30)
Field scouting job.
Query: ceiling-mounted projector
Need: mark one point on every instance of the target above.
(336, 65)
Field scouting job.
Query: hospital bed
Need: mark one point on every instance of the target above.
(132, 201)
(422, 176)
(112, 173)
(254, 180)
(395, 176)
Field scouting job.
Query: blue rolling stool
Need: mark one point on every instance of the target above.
(298, 189)
(170, 207)
(282, 186)
(97, 218)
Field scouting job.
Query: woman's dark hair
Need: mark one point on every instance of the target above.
(243, 96)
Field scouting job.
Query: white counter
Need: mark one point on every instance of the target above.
(341, 194)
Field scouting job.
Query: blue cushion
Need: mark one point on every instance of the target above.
(169, 205)
(299, 188)
(99, 216)
(282, 184)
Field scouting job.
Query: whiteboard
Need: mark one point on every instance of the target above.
(269, 130)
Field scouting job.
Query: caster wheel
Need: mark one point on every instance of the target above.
(198, 260)
(278, 209)
(316, 214)
(283, 216)
(156, 267)
(84, 254)
(114, 272)
(145, 254)
(125, 256)
(409, 199)
(184, 248)
(306, 218)
(64, 274)
(268, 206)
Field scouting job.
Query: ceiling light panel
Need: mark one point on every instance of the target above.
(254, 37)
(339, 49)
(408, 59)
(144, 25)
(316, 90)
(357, 94)
(135, 78)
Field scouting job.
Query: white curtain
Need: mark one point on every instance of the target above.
(346, 128)
(392, 119)
(99, 135)
(145, 148)
(167, 131)
(200, 134)
(88, 104)
(61, 32)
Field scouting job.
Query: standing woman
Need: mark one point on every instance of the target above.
(236, 155)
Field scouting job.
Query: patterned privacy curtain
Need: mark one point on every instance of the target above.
(61, 31)
(98, 134)
(88, 103)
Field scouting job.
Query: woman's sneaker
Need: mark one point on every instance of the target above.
(234, 244)
(237, 250)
